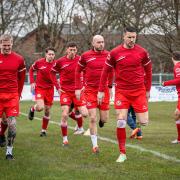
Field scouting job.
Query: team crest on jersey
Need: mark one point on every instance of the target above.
(64, 99)
(38, 95)
(118, 103)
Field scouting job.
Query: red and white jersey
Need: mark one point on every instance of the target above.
(43, 68)
(130, 66)
(11, 66)
(176, 80)
(91, 63)
(66, 69)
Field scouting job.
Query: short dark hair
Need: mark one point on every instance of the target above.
(71, 44)
(130, 29)
(50, 49)
(176, 55)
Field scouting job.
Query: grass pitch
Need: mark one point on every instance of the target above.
(45, 158)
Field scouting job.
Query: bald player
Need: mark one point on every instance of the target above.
(92, 63)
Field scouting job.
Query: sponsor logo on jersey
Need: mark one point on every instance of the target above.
(42, 67)
(121, 58)
(91, 59)
(65, 66)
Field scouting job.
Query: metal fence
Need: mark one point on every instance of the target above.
(157, 79)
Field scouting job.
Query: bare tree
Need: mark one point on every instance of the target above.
(13, 16)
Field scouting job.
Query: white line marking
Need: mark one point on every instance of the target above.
(155, 153)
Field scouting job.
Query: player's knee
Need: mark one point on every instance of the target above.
(177, 114)
(144, 122)
(93, 119)
(121, 123)
(65, 116)
(84, 112)
(39, 108)
(63, 123)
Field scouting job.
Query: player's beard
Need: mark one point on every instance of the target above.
(130, 45)
(6, 51)
(71, 56)
(99, 49)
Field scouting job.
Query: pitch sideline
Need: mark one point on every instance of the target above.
(155, 153)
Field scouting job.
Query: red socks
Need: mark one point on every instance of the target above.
(78, 118)
(178, 129)
(64, 130)
(121, 135)
(45, 122)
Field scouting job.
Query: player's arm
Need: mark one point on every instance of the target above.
(148, 73)
(78, 76)
(32, 69)
(53, 72)
(172, 82)
(107, 69)
(21, 77)
(110, 81)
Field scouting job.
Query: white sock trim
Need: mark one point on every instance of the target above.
(121, 123)
(94, 140)
(178, 122)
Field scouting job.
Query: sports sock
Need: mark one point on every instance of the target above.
(3, 127)
(178, 129)
(9, 150)
(94, 140)
(64, 130)
(45, 122)
(72, 115)
(121, 135)
(33, 108)
(65, 139)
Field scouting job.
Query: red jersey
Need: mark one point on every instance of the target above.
(12, 73)
(66, 69)
(176, 80)
(43, 68)
(130, 66)
(91, 63)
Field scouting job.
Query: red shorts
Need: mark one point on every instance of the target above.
(66, 98)
(90, 95)
(45, 94)
(9, 104)
(135, 98)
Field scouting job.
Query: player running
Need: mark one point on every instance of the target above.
(130, 62)
(43, 87)
(12, 76)
(65, 67)
(92, 63)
